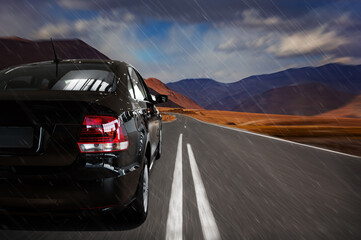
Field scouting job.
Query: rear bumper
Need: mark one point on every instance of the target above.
(95, 188)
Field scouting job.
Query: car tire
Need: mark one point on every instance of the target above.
(140, 205)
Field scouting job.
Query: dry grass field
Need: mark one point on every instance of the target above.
(340, 134)
(167, 117)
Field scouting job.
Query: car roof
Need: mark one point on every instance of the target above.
(77, 61)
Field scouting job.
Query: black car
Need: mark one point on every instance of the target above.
(77, 135)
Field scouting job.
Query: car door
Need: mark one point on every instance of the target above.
(147, 109)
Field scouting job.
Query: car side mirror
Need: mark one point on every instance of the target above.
(161, 98)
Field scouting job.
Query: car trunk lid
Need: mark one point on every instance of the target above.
(41, 128)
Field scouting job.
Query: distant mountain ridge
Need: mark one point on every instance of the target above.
(345, 80)
(203, 91)
(15, 50)
(305, 99)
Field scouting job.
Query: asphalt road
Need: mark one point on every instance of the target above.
(217, 183)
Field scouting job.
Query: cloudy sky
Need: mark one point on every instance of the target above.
(174, 39)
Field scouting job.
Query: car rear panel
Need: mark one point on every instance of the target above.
(44, 132)
(45, 170)
(73, 190)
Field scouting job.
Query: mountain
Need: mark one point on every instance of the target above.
(174, 99)
(305, 99)
(211, 94)
(350, 110)
(15, 50)
(203, 91)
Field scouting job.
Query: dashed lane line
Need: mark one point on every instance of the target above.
(175, 213)
(208, 222)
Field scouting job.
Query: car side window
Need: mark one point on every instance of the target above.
(142, 83)
(130, 87)
(139, 90)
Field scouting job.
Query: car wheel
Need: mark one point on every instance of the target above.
(159, 153)
(140, 204)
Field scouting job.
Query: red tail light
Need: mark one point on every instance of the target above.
(102, 134)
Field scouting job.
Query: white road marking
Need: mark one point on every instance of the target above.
(209, 226)
(175, 212)
(275, 138)
(185, 126)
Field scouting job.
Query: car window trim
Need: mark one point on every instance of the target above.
(144, 85)
(144, 92)
(129, 76)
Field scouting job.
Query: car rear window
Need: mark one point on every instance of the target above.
(68, 77)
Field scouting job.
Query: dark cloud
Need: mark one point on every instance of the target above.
(21, 17)
(332, 31)
(202, 10)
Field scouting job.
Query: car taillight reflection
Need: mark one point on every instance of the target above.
(102, 134)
